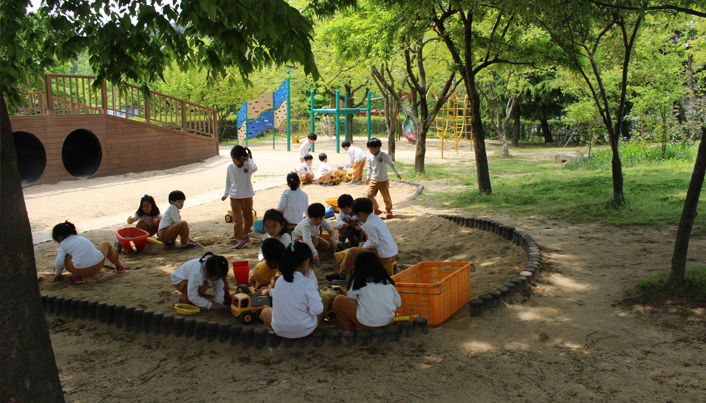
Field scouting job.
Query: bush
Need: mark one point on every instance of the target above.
(634, 153)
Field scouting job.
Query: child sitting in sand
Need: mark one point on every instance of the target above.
(307, 231)
(298, 308)
(377, 176)
(357, 162)
(171, 226)
(306, 146)
(347, 223)
(372, 298)
(194, 277)
(325, 173)
(147, 216)
(276, 228)
(239, 189)
(78, 255)
(380, 241)
(305, 171)
(294, 201)
(270, 259)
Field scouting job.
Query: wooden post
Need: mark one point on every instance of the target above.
(50, 98)
(216, 133)
(147, 110)
(104, 98)
(183, 115)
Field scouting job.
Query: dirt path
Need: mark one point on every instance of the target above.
(563, 341)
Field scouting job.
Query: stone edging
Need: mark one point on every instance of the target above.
(156, 323)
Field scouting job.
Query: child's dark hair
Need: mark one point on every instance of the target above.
(293, 180)
(362, 205)
(322, 156)
(374, 142)
(367, 269)
(239, 151)
(308, 157)
(272, 250)
(176, 195)
(63, 230)
(312, 136)
(216, 266)
(275, 215)
(345, 144)
(316, 210)
(155, 210)
(295, 254)
(345, 201)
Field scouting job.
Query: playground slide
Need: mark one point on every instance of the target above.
(407, 125)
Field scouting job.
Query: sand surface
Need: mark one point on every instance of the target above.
(561, 341)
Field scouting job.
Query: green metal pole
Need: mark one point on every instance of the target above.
(289, 130)
(312, 116)
(338, 107)
(274, 130)
(370, 108)
(347, 117)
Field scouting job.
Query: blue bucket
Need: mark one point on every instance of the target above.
(259, 227)
(329, 212)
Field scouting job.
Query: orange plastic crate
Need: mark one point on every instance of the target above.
(434, 290)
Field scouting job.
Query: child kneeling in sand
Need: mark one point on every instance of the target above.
(194, 277)
(171, 226)
(78, 255)
(307, 231)
(380, 241)
(298, 308)
(347, 223)
(372, 298)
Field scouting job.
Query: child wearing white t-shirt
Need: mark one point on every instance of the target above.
(325, 173)
(357, 162)
(293, 202)
(305, 171)
(239, 189)
(306, 146)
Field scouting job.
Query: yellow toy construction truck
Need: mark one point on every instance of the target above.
(247, 305)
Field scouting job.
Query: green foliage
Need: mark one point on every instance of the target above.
(634, 153)
(655, 288)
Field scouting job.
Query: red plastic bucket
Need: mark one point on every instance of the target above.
(241, 271)
(136, 235)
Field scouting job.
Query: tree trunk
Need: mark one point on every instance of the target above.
(516, 128)
(617, 167)
(391, 117)
(350, 127)
(421, 148)
(482, 171)
(545, 131)
(29, 372)
(681, 244)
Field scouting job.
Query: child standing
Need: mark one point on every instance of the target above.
(306, 146)
(305, 171)
(171, 226)
(147, 216)
(372, 298)
(307, 230)
(357, 162)
(78, 255)
(294, 201)
(239, 189)
(325, 173)
(347, 223)
(377, 176)
(298, 307)
(380, 241)
(194, 277)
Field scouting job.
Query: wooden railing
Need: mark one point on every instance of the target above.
(63, 94)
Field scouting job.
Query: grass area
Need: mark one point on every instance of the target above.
(528, 184)
(654, 289)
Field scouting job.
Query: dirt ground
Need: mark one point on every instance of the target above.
(564, 340)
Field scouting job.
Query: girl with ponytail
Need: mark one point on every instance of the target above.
(193, 278)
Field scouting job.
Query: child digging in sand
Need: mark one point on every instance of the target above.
(325, 174)
(78, 255)
(377, 176)
(305, 171)
(194, 277)
(357, 162)
(171, 226)
(293, 202)
(380, 241)
(347, 223)
(307, 231)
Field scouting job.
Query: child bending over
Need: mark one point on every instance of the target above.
(171, 226)
(298, 308)
(194, 277)
(294, 201)
(78, 255)
(305, 171)
(372, 298)
(239, 189)
(306, 231)
(306, 146)
(347, 223)
(271, 256)
(379, 241)
(357, 162)
(377, 176)
(147, 216)
(325, 173)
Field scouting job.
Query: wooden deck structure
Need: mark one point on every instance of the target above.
(67, 130)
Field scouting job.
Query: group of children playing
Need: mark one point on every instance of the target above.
(290, 248)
